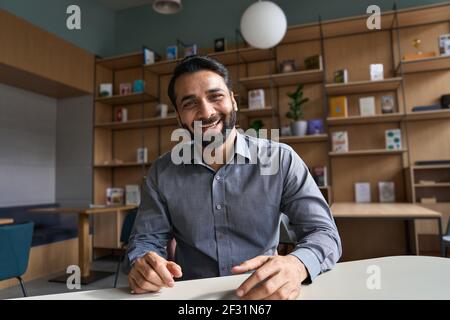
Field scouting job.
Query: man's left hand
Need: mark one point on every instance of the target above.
(275, 278)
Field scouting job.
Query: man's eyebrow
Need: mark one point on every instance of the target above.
(192, 96)
(214, 90)
(188, 97)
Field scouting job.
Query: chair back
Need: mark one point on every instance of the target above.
(286, 234)
(127, 226)
(15, 244)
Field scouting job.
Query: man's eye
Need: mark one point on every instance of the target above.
(189, 104)
(216, 97)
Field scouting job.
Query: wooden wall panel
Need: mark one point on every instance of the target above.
(298, 52)
(314, 154)
(429, 140)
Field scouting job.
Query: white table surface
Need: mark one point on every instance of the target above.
(402, 277)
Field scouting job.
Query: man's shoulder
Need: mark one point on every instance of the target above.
(267, 143)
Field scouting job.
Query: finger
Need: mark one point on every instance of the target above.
(159, 264)
(142, 285)
(283, 293)
(266, 289)
(151, 276)
(174, 269)
(261, 274)
(251, 264)
(294, 294)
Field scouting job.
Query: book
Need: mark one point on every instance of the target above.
(138, 85)
(340, 141)
(376, 72)
(125, 88)
(426, 108)
(190, 50)
(337, 106)
(315, 126)
(142, 155)
(387, 104)
(367, 106)
(172, 52)
(362, 192)
(444, 44)
(288, 66)
(121, 114)
(340, 76)
(220, 44)
(256, 99)
(319, 175)
(313, 62)
(393, 139)
(132, 194)
(114, 196)
(106, 89)
(386, 191)
(149, 56)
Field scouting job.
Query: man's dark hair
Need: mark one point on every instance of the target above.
(193, 64)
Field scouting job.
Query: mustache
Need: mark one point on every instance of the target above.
(209, 120)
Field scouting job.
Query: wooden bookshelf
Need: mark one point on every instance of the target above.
(431, 167)
(121, 62)
(257, 112)
(432, 185)
(243, 55)
(304, 139)
(139, 123)
(283, 79)
(371, 152)
(424, 65)
(356, 87)
(132, 98)
(350, 120)
(428, 115)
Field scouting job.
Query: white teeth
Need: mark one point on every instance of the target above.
(211, 125)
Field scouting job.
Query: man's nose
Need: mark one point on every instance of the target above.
(205, 110)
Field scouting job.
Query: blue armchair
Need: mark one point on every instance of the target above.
(15, 243)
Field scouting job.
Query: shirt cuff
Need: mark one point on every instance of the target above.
(309, 259)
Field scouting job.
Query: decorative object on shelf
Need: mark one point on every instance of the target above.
(340, 141)
(106, 90)
(161, 110)
(190, 50)
(418, 54)
(367, 106)
(340, 76)
(444, 44)
(426, 108)
(138, 85)
(256, 99)
(167, 6)
(172, 52)
(376, 71)
(142, 155)
(288, 66)
(121, 114)
(125, 88)
(114, 196)
(286, 131)
(256, 125)
(362, 192)
(315, 126)
(132, 195)
(319, 175)
(150, 56)
(428, 200)
(295, 113)
(220, 44)
(313, 62)
(263, 24)
(393, 139)
(445, 101)
(387, 104)
(386, 191)
(337, 106)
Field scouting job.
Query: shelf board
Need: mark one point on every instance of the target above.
(266, 112)
(355, 87)
(283, 79)
(388, 117)
(427, 167)
(304, 139)
(132, 98)
(126, 61)
(243, 55)
(370, 152)
(140, 123)
(428, 115)
(162, 67)
(432, 185)
(426, 64)
(121, 165)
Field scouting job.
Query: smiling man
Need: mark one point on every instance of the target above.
(225, 215)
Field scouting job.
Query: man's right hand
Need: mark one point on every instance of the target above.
(151, 272)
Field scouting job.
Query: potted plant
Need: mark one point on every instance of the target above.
(256, 125)
(298, 126)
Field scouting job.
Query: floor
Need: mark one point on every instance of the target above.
(42, 286)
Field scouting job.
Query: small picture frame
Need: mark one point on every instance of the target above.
(125, 88)
(288, 66)
(172, 52)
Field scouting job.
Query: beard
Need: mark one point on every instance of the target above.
(228, 123)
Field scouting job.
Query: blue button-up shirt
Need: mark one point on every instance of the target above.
(221, 218)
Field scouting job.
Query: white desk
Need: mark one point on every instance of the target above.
(402, 277)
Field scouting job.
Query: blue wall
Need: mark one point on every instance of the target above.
(97, 22)
(201, 21)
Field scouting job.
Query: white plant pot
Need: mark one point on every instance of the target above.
(298, 128)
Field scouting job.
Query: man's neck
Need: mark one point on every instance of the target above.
(226, 149)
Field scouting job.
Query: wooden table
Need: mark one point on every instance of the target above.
(6, 221)
(400, 211)
(84, 261)
(402, 277)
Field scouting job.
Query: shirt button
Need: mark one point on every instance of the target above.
(218, 207)
(217, 177)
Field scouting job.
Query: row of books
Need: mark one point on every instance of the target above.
(338, 105)
(393, 140)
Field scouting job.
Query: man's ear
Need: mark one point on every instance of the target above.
(233, 101)
(178, 117)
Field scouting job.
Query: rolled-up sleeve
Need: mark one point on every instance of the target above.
(152, 228)
(318, 242)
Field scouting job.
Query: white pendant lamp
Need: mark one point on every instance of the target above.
(263, 24)
(167, 6)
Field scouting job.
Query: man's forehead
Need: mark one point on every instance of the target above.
(204, 80)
